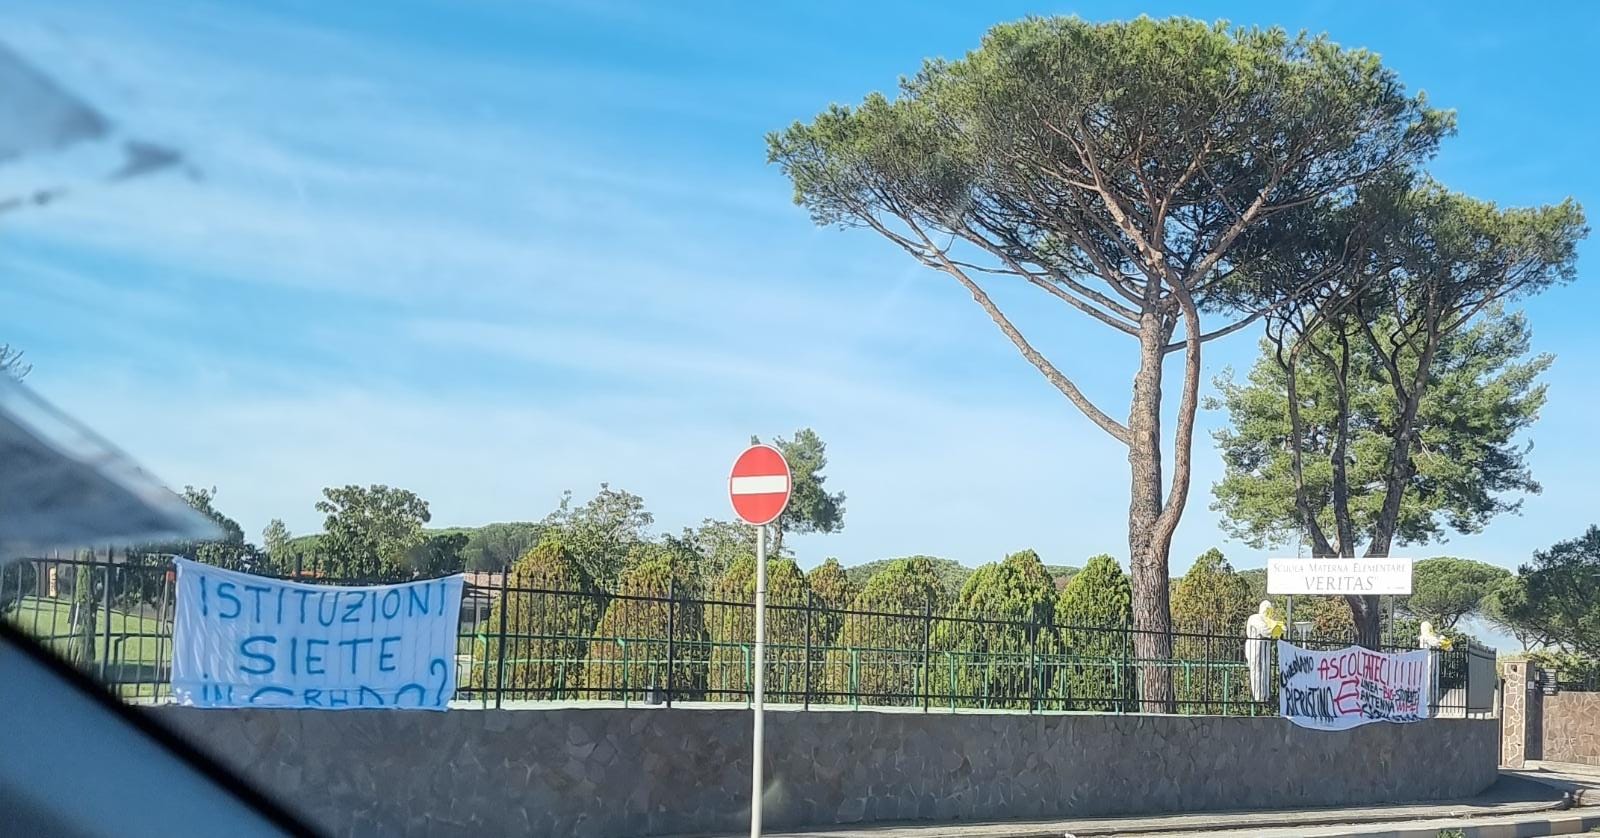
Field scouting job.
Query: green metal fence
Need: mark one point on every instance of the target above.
(520, 644)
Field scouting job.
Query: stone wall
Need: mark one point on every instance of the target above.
(1564, 727)
(1516, 697)
(1571, 723)
(635, 772)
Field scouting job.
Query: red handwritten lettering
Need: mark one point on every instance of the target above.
(1348, 701)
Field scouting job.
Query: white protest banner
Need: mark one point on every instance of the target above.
(1352, 686)
(240, 640)
(1323, 577)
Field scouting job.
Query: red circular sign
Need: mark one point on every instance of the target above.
(759, 485)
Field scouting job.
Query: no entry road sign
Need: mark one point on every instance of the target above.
(759, 485)
(759, 488)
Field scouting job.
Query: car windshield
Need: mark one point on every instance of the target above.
(650, 418)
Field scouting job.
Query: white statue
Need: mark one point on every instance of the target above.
(1261, 628)
(1427, 638)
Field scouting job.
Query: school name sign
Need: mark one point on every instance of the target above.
(1352, 686)
(1334, 577)
(241, 640)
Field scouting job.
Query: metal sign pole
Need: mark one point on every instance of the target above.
(760, 680)
(759, 486)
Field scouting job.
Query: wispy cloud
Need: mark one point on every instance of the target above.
(473, 308)
(492, 273)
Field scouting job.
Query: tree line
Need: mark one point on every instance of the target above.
(616, 577)
(862, 637)
(555, 634)
(379, 533)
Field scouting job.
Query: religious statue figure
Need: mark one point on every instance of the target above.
(1427, 638)
(1262, 627)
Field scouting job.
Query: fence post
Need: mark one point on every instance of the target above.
(543, 671)
(161, 624)
(749, 677)
(500, 660)
(927, 651)
(950, 659)
(1126, 676)
(1211, 657)
(105, 646)
(855, 678)
(1033, 663)
(672, 633)
(483, 692)
(810, 603)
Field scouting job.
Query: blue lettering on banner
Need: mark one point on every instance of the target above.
(268, 662)
(354, 645)
(352, 612)
(225, 591)
(255, 697)
(331, 612)
(241, 640)
(386, 657)
(441, 670)
(314, 660)
(258, 590)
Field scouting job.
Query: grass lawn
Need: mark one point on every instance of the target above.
(133, 638)
(141, 647)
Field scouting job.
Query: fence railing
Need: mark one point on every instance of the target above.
(1575, 680)
(526, 644)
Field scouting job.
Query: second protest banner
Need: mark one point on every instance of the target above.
(1352, 686)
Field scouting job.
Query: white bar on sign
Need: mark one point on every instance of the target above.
(760, 484)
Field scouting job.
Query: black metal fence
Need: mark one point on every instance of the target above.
(525, 644)
(1578, 676)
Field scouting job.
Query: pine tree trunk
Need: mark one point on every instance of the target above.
(1366, 612)
(1152, 617)
(1398, 479)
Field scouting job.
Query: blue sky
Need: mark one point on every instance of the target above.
(491, 251)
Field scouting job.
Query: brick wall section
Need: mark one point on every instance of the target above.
(636, 772)
(1572, 727)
